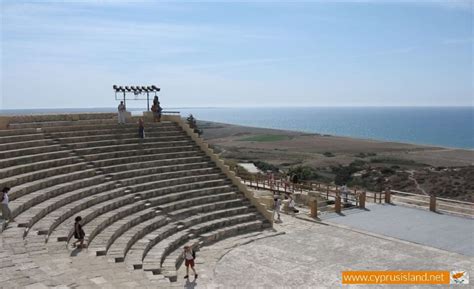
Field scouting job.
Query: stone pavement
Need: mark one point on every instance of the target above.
(450, 233)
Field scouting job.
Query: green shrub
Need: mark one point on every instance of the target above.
(304, 173)
(263, 166)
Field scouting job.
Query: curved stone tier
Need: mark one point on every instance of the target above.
(140, 199)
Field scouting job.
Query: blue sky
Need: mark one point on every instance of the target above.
(247, 53)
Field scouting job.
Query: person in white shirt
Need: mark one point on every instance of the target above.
(121, 113)
(276, 208)
(291, 206)
(6, 213)
(189, 256)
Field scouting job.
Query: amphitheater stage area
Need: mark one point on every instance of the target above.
(446, 232)
(312, 255)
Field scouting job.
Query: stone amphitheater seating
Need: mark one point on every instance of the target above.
(140, 199)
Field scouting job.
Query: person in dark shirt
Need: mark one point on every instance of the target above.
(141, 128)
(79, 233)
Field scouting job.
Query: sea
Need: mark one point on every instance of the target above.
(451, 127)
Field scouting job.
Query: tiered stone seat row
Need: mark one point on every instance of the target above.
(140, 199)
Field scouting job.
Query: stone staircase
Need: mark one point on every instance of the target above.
(140, 200)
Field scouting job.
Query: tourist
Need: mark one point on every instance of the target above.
(154, 109)
(189, 256)
(79, 233)
(159, 110)
(345, 193)
(276, 208)
(121, 113)
(6, 213)
(141, 128)
(291, 206)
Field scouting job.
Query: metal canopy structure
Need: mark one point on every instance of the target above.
(137, 91)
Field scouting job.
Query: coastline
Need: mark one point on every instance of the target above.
(230, 136)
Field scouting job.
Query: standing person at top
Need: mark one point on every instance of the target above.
(159, 109)
(121, 113)
(141, 128)
(189, 256)
(154, 109)
(6, 213)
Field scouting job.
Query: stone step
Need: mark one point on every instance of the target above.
(115, 133)
(72, 166)
(213, 236)
(60, 118)
(18, 132)
(13, 153)
(21, 144)
(36, 213)
(62, 227)
(135, 146)
(110, 126)
(124, 141)
(64, 123)
(20, 138)
(151, 175)
(161, 169)
(111, 156)
(36, 166)
(174, 205)
(154, 163)
(153, 188)
(68, 212)
(24, 189)
(141, 158)
(102, 241)
(64, 230)
(86, 178)
(31, 159)
(202, 205)
(120, 213)
(157, 254)
(141, 247)
(91, 136)
(120, 247)
(99, 224)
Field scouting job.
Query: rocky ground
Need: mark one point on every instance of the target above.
(370, 164)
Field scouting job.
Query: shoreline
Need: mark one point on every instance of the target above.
(340, 136)
(285, 131)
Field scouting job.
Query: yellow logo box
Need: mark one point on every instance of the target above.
(396, 277)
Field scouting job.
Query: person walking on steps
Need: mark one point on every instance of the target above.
(79, 233)
(141, 128)
(121, 113)
(189, 256)
(6, 213)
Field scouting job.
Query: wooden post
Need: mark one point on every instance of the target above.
(433, 203)
(327, 192)
(313, 204)
(388, 197)
(362, 200)
(338, 206)
(375, 197)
